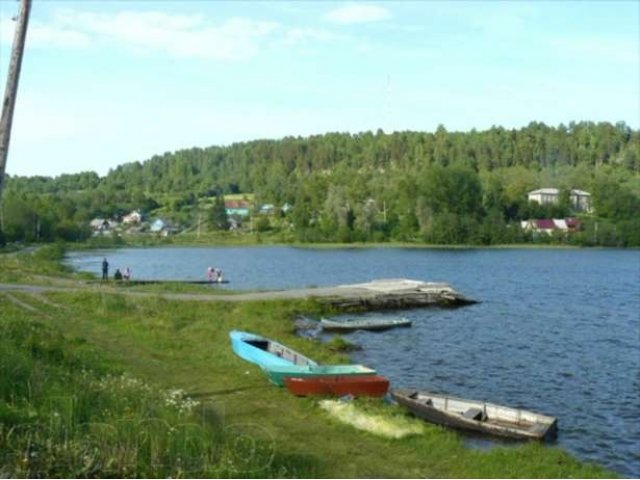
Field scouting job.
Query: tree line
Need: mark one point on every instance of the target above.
(427, 187)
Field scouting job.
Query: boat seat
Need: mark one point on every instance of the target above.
(475, 414)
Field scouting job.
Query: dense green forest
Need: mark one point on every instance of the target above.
(438, 188)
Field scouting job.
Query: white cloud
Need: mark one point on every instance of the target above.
(43, 35)
(177, 35)
(358, 13)
(181, 36)
(53, 37)
(154, 32)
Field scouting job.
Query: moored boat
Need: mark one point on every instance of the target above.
(264, 351)
(277, 373)
(375, 324)
(478, 416)
(357, 385)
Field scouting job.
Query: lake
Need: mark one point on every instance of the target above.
(557, 330)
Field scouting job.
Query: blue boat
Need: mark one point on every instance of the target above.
(265, 352)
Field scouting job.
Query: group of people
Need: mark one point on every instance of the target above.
(118, 275)
(214, 274)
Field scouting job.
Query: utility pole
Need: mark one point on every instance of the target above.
(12, 85)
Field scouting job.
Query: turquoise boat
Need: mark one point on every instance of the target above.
(265, 352)
(277, 373)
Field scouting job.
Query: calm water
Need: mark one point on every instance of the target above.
(558, 331)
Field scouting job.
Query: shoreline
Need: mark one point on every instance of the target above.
(331, 246)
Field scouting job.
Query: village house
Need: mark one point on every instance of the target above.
(550, 225)
(579, 199)
(241, 208)
(102, 226)
(161, 227)
(132, 218)
(271, 209)
(99, 224)
(267, 209)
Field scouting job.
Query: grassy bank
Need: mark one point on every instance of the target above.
(95, 383)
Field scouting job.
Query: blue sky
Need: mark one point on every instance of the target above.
(109, 82)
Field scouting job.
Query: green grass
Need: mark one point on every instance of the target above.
(340, 344)
(24, 265)
(62, 389)
(159, 287)
(67, 410)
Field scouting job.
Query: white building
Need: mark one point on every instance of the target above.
(580, 200)
(133, 218)
(549, 225)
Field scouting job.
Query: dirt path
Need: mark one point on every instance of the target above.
(375, 295)
(235, 297)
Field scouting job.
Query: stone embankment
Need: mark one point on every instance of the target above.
(393, 294)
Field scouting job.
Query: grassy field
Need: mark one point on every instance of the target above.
(97, 383)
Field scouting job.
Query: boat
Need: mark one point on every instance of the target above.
(278, 373)
(356, 385)
(264, 351)
(478, 416)
(376, 324)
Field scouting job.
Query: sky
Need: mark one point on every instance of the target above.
(105, 83)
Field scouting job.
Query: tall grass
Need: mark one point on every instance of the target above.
(66, 412)
(23, 265)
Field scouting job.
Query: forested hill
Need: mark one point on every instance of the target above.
(440, 187)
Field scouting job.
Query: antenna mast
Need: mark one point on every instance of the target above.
(388, 105)
(11, 89)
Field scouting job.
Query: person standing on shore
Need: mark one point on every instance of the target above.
(105, 269)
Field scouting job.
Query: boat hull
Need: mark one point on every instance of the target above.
(265, 352)
(357, 385)
(477, 416)
(350, 326)
(278, 373)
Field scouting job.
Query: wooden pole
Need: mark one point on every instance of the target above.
(11, 88)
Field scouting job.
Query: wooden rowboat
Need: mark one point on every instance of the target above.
(357, 385)
(376, 324)
(277, 373)
(264, 351)
(478, 416)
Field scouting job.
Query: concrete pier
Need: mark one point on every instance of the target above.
(396, 294)
(384, 294)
